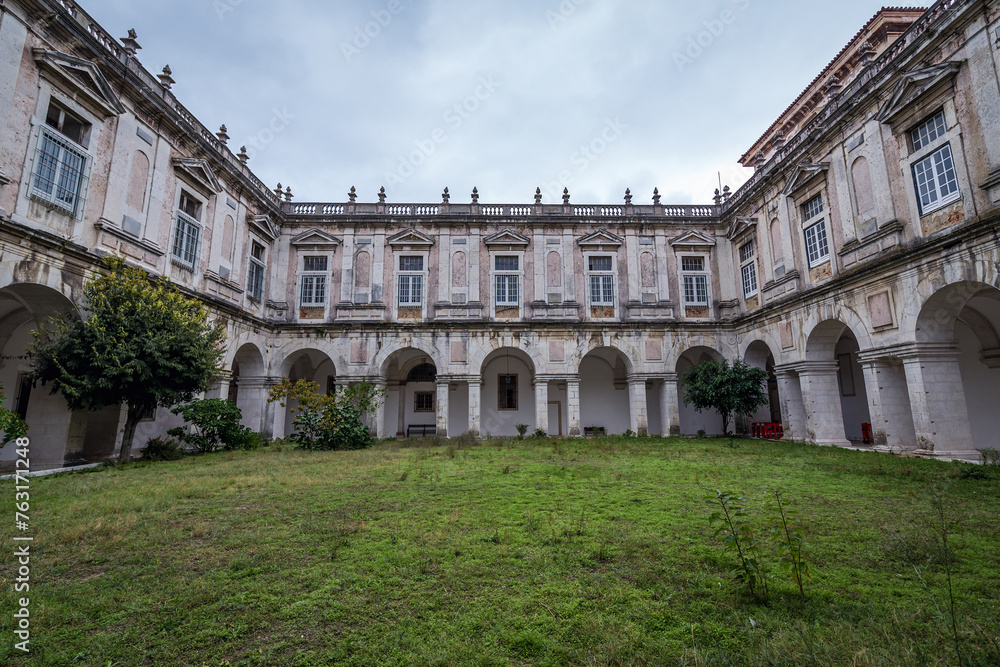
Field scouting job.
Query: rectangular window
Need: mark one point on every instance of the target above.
(59, 171)
(936, 180)
(812, 208)
(602, 281)
(507, 392)
(508, 280)
(423, 401)
(695, 281)
(748, 268)
(817, 246)
(929, 131)
(313, 291)
(255, 277)
(410, 285)
(187, 234)
(692, 264)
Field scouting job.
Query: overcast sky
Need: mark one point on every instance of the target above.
(415, 95)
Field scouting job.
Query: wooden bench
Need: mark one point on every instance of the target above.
(418, 431)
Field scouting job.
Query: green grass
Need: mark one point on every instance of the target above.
(586, 552)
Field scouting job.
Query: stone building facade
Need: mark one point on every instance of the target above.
(860, 265)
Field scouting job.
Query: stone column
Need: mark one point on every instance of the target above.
(443, 404)
(573, 406)
(790, 400)
(889, 405)
(871, 369)
(253, 392)
(937, 401)
(475, 406)
(380, 431)
(669, 408)
(401, 425)
(821, 399)
(220, 388)
(638, 410)
(542, 404)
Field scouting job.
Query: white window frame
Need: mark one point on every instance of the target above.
(695, 279)
(314, 278)
(185, 246)
(53, 189)
(508, 276)
(933, 164)
(748, 268)
(256, 270)
(409, 277)
(603, 278)
(815, 234)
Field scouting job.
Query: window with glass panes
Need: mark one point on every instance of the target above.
(934, 176)
(410, 282)
(507, 280)
(602, 280)
(748, 268)
(315, 271)
(255, 272)
(187, 231)
(817, 243)
(695, 281)
(61, 161)
(507, 392)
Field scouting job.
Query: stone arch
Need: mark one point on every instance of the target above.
(248, 384)
(832, 378)
(828, 331)
(691, 421)
(135, 197)
(58, 436)
(508, 397)
(941, 310)
(759, 354)
(412, 397)
(604, 391)
(523, 345)
(308, 364)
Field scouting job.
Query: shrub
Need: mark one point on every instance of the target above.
(163, 449)
(540, 433)
(329, 421)
(11, 424)
(522, 429)
(216, 423)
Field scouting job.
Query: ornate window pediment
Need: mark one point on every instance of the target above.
(200, 173)
(264, 226)
(410, 238)
(915, 85)
(507, 237)
(693, 239)
(602, 238)
(314, 239)
(83, 77)
(803, 175)
(739, 226)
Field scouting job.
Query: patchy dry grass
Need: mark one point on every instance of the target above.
(548, 552)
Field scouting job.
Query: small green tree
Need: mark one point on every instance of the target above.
(329, 421)
(143, 344)
(217, 424)
(730, 389)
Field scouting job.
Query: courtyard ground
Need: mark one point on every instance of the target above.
(505, 552)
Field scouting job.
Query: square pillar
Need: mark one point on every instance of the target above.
(475, 406)
(401, 417)
(443, 390)
(638, 410)
(220, 388)
(542, 404)
(380, 431)
(889, 405)
(253, 393)
(792, 409)
(820, 387)
(937, 400)
(573, 406)
(669, 407)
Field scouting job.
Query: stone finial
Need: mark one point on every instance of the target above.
(129, 43)
(628, 196)
(445, 196)
(288, 193)
(656, 196)
(726, 193)
(352, 196)
(866, 52)
(381, 195)
(833, 87)
(278, 191)
(538, 195)
(758, 160)
(165, 79)
(717, 198)
(243, 157)
(223, 135)
(779, 139)
(475, 195)
(565, 195)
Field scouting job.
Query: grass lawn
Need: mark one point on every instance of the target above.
(541, 552)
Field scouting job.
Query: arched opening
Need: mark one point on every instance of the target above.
(58, 437)
(248, 386)
(312, 366)
(833, 386)
(962, 318)
(508, 396)
(759, 355)
(411, 406)
(692, 421)
(604, 391)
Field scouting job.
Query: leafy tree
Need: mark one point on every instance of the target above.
(143, 344)
(730, 389)
(329, 421)
(11, 424)
(216, 422)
